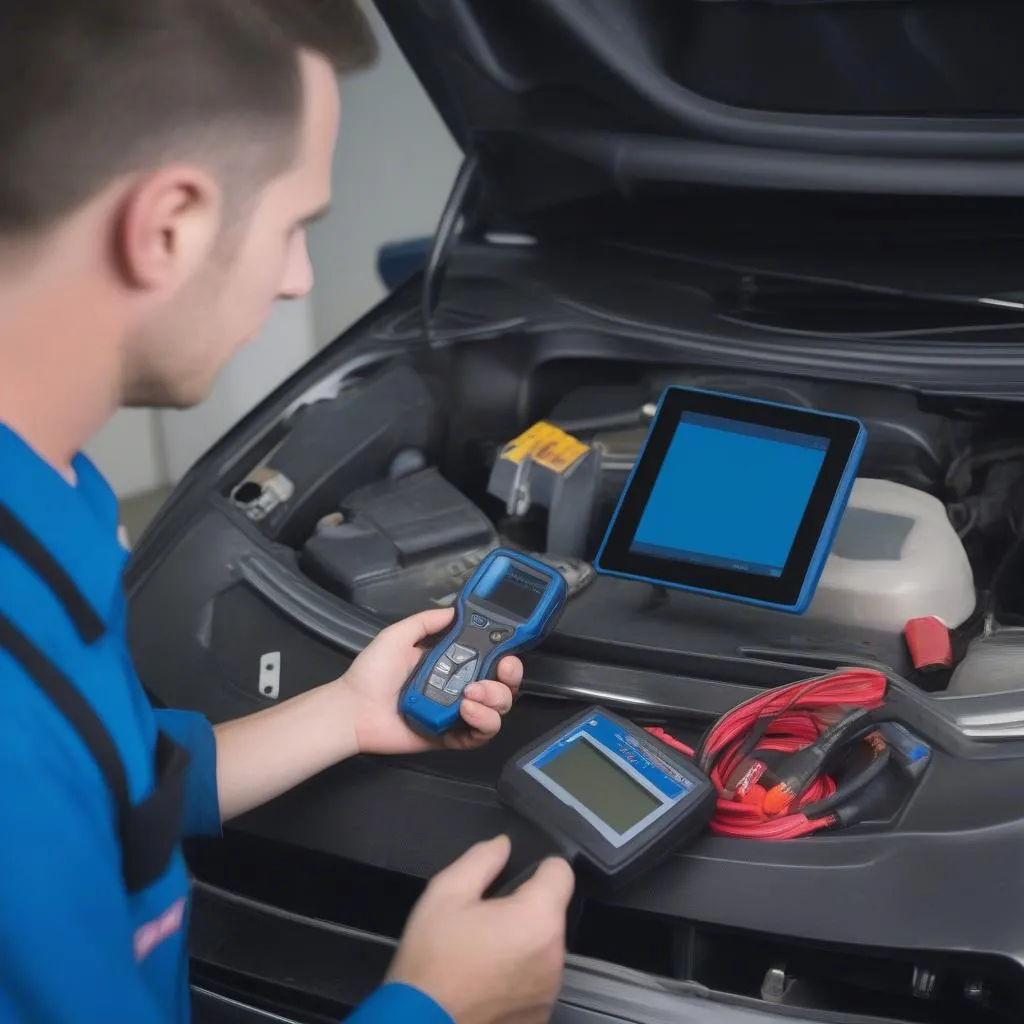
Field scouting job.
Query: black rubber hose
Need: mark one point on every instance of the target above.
(846, 792)
(444, 237)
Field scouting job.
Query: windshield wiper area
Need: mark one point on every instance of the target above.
(790, 290)
(850, 310)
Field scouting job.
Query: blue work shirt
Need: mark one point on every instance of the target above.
(75, 945)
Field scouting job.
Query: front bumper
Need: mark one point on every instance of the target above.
(254, 964)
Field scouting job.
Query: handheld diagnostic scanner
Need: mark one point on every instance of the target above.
(610, 797)
(508, 605)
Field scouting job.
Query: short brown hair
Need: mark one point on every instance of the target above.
(93, 89)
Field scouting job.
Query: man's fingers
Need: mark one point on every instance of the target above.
(552, 884)
(474, 872)
(416, 628)
(491, 694)
(485, 721)
(510, 672)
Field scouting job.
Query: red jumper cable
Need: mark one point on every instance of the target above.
(808, 718)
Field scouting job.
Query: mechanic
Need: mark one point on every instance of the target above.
(161, 160)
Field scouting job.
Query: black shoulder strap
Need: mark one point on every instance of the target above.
(75, 708)
(64, 694)
(148, 832)
(17, 537)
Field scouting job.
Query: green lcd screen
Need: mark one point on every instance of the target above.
(598, 784)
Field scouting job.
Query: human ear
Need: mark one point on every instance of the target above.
(169, 222)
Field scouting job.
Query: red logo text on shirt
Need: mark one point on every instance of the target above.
(152, 933)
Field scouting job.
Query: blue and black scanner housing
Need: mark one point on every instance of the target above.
(509, 605)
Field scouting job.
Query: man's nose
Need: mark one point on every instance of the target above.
(298, 278)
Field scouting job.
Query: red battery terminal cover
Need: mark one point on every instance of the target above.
(929, 643)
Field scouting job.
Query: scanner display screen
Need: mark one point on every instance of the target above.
(512, 589)
(754, 484)
(601, 786)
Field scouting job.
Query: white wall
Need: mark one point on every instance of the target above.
(393, 170)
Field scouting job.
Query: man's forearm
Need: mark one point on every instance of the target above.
(264, 754)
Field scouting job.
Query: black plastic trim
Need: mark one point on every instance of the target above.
(632, 159)
(213, 1007)
(550, 675)
(343, 964)
(847, 134)
(712, 689)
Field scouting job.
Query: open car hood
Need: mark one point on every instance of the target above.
(566, 101)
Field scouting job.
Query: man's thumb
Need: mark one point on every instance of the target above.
(473, 873)
(552, 883)
(418, 627)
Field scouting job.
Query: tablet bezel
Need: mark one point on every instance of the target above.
(817, 527)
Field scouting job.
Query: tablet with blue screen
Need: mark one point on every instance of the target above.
(734, 497)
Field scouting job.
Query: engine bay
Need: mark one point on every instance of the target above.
(399, 520)
(373, 494)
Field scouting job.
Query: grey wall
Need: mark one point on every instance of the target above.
(285, 343)
(393, 170)
(128, 452)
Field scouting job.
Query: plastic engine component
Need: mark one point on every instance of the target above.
(398, 543)
(318, 463)
(992, 665)
(896, 558)
(547, 467)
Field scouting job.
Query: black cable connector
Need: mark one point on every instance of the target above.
(909, 753)
(799, 769)
(843, 796)
(862, 805)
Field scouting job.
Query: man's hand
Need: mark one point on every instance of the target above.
(488, 961)
(375, 679)
(264, 754)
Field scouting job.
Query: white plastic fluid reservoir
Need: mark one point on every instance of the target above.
(895, 558)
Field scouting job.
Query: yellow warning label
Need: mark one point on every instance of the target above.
(547, 446)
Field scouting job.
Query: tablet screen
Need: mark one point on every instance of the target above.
(734, 497)
(754, 484)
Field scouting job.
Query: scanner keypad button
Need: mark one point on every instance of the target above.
(443, 667)
(459, 655)
(462, 678)
(441, 697)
